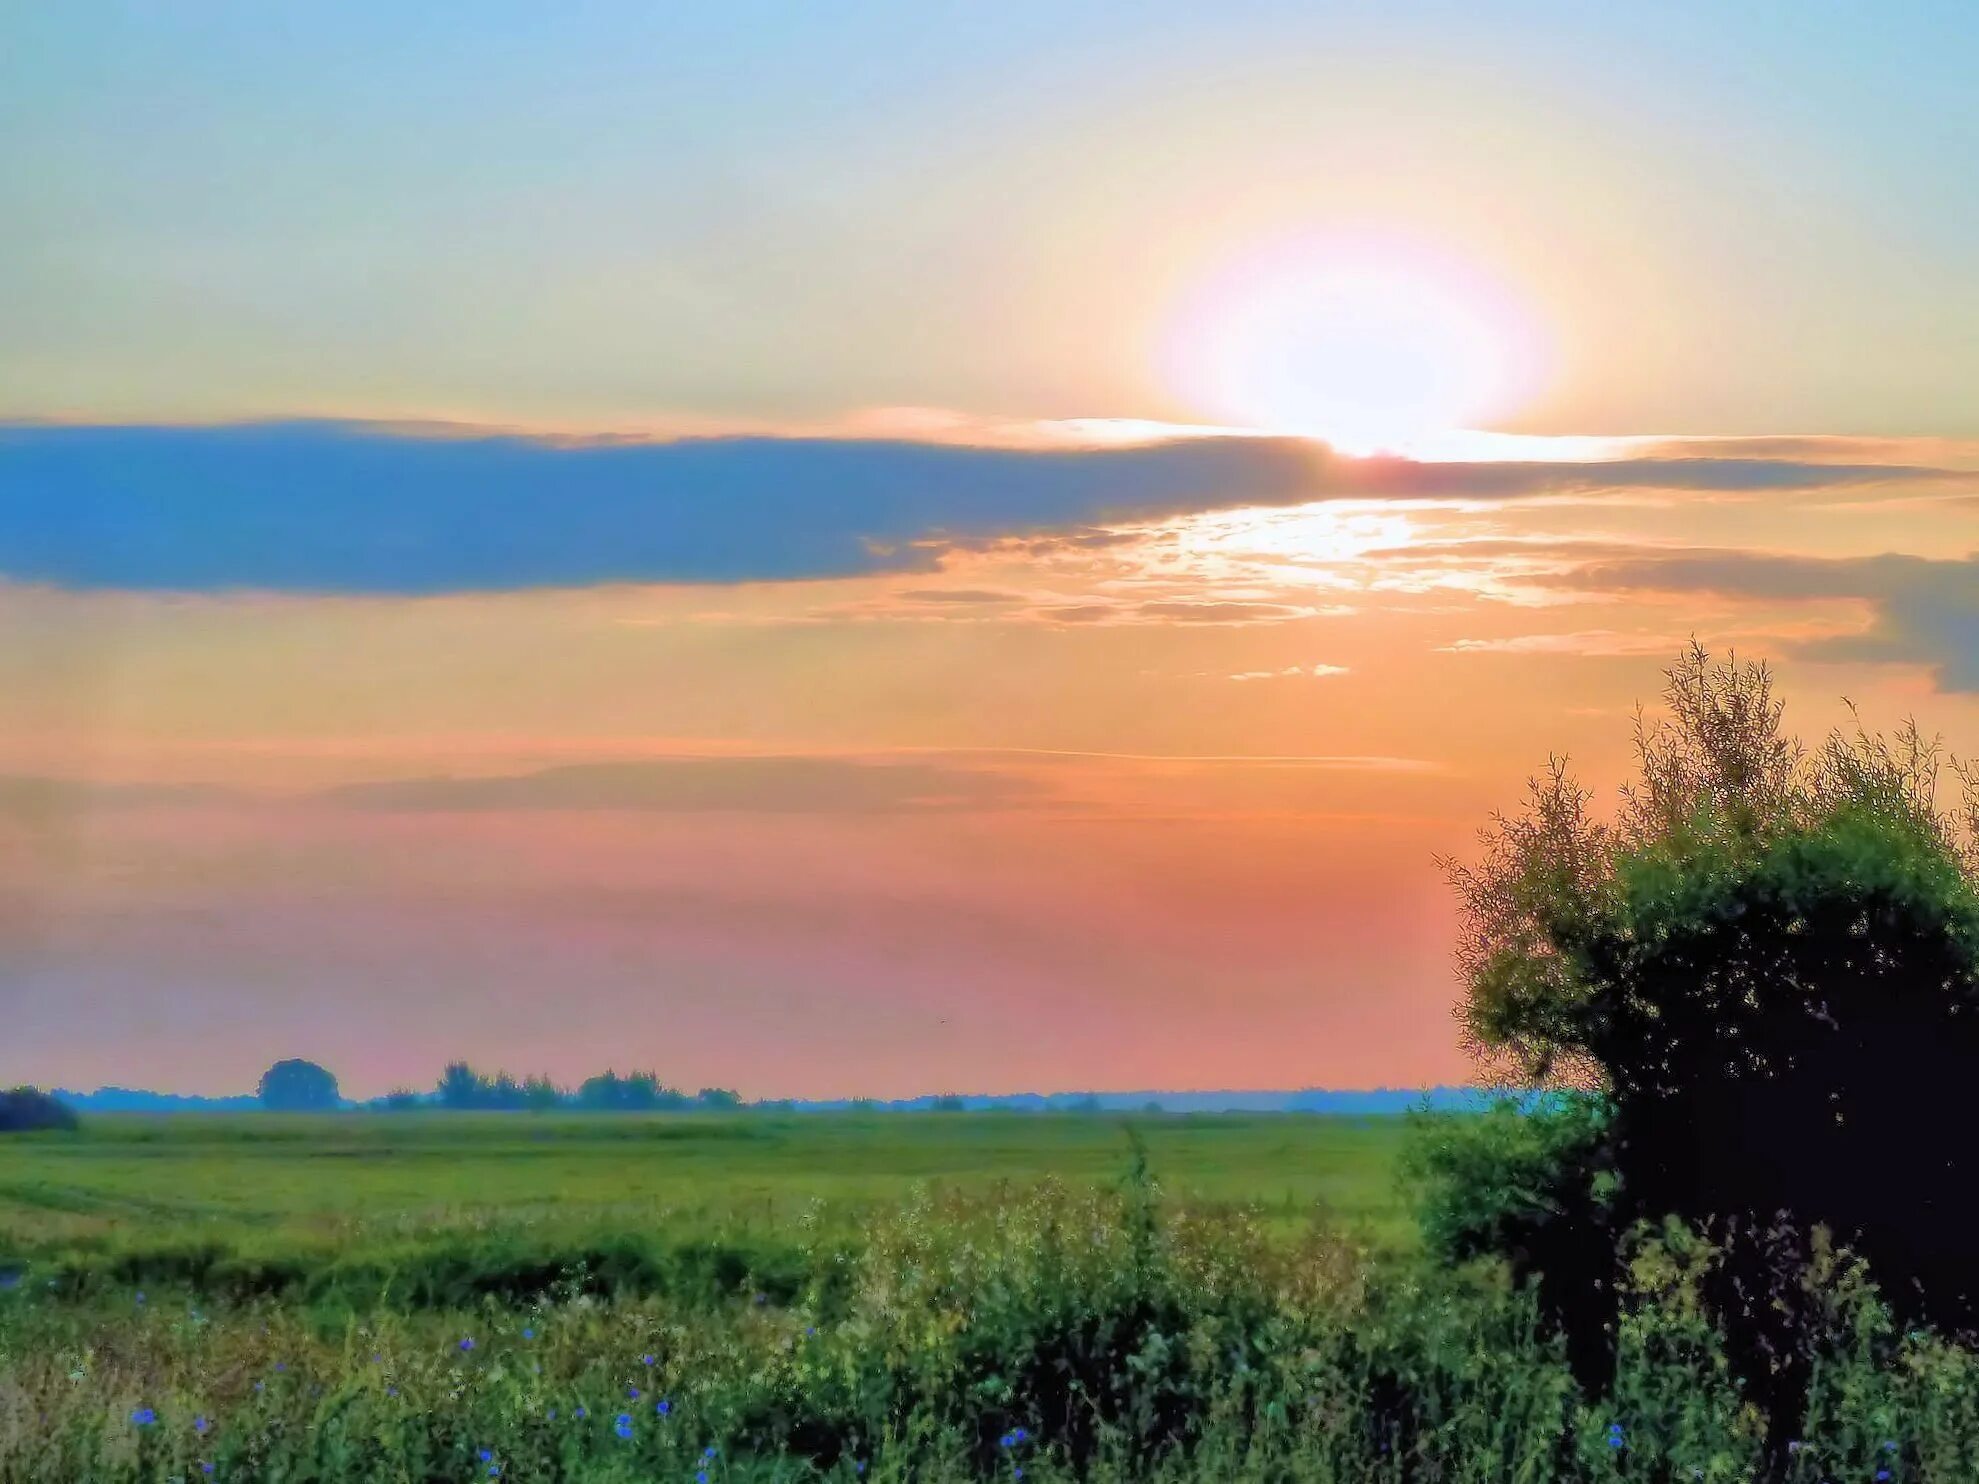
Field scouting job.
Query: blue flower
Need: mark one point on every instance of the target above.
(1889, 1447)
(1882, 1474)
(486, 1456)
(467, 1343)
(708, 1452)
(206, 1468)
(645, 1360)
(623, 1427)
(281, 1365)
(700, 1476)
(662, 1406)
(552, 1414)
(632, 1392)
(528, 1333)
(200, 1424)
(859, 1467)
(582, 1413)
(140, 1298)
(143, 1417)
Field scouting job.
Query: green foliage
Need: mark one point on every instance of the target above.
(1739, 961)
(1495, 1183)
(1073, 1335)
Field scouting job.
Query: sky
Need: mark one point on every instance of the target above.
(888, 548)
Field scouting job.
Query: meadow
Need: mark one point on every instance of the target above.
(757, 1297)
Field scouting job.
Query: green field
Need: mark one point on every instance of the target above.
(754, 1298)
(263, 1180)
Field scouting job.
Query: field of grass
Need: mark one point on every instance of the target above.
(723, 1300)
(127, 1179)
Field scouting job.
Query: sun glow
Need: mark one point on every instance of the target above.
(1372, 345)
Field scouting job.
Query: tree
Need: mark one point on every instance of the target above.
(461, 1087)
(297, 1086)
(29, 1110)
(1767, 965)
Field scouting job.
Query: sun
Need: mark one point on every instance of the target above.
(1372, 344)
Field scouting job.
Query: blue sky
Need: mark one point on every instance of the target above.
(1738, 218)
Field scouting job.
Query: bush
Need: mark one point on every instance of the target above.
(1768, 965)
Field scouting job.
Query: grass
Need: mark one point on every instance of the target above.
(233, 1177)
(892, 1297)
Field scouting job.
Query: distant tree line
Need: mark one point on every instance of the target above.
(463, 1089)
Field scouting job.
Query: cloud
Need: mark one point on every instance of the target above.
(328, 507)
(1589, 642)
(1926, 610)
(754, 785)
(960, 595)
(1292, 672)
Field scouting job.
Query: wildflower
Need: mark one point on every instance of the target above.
(206, 1468)
(143, 1417)
(140, 1297)
(1615, 1435)
(467, 1343)
(708, 1452)
(1889, 1446)
(528, 1333)
(582, 1413)
(200, 1424)
(486, 1456)
(260, 1385)
(281, 1365)
(623, 1427)
(662, 1406)
(859, 1467)
(552, 1413)
(700, 1476)
(632, 1392)
(1882, 1474)
(645, 1360)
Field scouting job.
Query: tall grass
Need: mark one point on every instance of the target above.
(1048, 1335)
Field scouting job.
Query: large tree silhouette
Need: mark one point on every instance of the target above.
(1768, 963)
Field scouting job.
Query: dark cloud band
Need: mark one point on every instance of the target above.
(327, 507)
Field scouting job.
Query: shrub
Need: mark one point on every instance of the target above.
(1768, 964)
